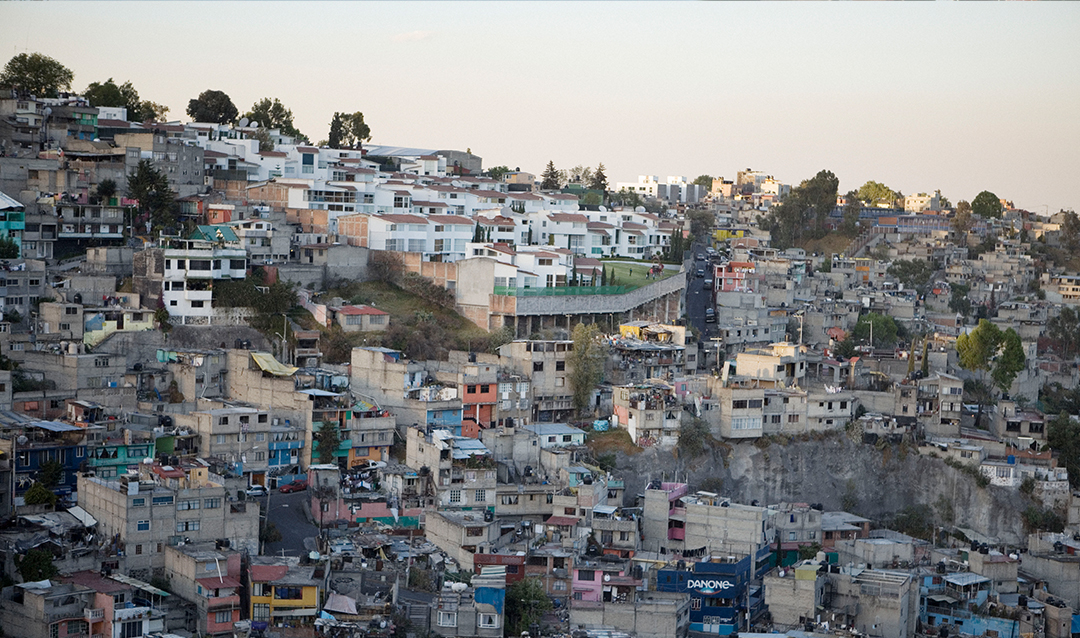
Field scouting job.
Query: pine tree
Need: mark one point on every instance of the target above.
(603, 276)
(911, 360)
(926, 359)
(599, 179)
(478, 234)
(549, 180)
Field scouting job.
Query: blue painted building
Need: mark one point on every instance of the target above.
(723, 593)
(947, 599)
(42, 442)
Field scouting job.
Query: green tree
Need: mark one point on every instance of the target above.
(213, 106)
(976, 349)
(963, 221)
(885, 329)
(36, 74)
(549, 180)
(1063, 436)
(496, 172)
(269, 533)
(874, 193)
(266, 143)
(526, 602)
(926, 359)
(803, 213)
(592, 199)
(694, 437)
(109, 93)
(845, 349)
(704, 181)
(1064, 332)
(105, 190)
(599, 179)
(348, 130)
(1010, 362)
(986, 205)
(9, 248)
(329, 440)
(38, 494)
(944, 201)
(701, 222)
(586, 364)
(36, 565)
(337, 131)
(913, 273)
(271, 113)
(51, 473)
(156, 200)
(1070, 232)
(958, 299)
(852, 209)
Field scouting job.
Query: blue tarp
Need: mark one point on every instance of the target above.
(491, 596)
(1076, 624)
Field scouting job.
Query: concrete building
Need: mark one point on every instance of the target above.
(280, 589)
(208, 575)
(163, 506)
(462, 534)
(794, 594)
(674, 519)
(236, 437)
(44, 610)
(649, 412)
(472, 611)
(878, 603)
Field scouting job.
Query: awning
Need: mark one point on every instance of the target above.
(138, 584)
(315, 392)
(941, 598)
(604, 509)
(294, 612)
(84, 517)
(268, 363)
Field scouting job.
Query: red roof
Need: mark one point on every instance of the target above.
(171, 472)
(113, 124)
(360, 310)
(268, 573)
(307, 149)
(225, 582)
(404, 219)
(569, 217)
(273, 154)
(457, 220)
(209, 153)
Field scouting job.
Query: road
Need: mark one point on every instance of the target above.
(288, 513)
(697, 297)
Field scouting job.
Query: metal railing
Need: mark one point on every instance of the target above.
(561, 291)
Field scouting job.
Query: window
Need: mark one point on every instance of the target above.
(143, 526)
(474, 531)
(187, 526)
(223, 616)
(138, 550)
(738, 405)
(220, 439)
(131, 629)
(288, 593)
(212, 503)
(695, 604)
(447, 619)
(188, 505)
(586, 575)
(488, 620)
(510, 499)
(260, 611)
(480, 496)
(538, 366)
(455, 496)
(78, 627)
(560, 366)
(163, 500)
(138, 502)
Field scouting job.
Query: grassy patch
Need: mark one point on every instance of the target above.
(831, 243)
(400, 304)
(611, 441)
(633, 273)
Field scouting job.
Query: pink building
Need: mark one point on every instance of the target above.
(737, 276)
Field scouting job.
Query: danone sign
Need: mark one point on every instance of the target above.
(708, 586)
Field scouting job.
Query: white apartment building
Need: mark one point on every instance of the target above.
(213, 253)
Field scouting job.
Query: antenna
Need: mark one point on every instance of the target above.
(244, 122)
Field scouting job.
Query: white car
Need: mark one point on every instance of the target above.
(257, 490)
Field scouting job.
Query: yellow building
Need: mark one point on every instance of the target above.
(100, 323)
(283, 591)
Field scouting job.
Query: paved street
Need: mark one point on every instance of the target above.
(697, 297)
(287, 511)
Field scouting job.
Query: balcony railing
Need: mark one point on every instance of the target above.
(93, 615)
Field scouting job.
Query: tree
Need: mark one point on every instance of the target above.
(1010, 362)
(1070, 232)
(704, 181)
(884, 331)
(926, 359)
(38, 494)
(803, 212)
(626, 198)
(586, 364)
(986, 205)
(592, 199)
(105, 190)
(51, 473)
(262, 135)
(1064, 332)
(36, 74)
(526, 602)
(9, 248)
(36, 565)
(329, 440)
(269, 533)
(852, 210)
(976, 348)
(874, 193)
(496, 172)
(963, 221)
(109, 93)
(913, 273)
(273, 114)
(549, 180)
(348, 130)
(599, 179)
(151, 188)
(694, 437)
(701, 222)
(212, 106)
(943, 201)
(1063, 435)
(580, 175)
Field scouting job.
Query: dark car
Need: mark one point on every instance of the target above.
(700, 272)
(710, 315)
(289, 488)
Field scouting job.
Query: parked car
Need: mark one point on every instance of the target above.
(700, 257)
(295, 486)
(700, 272)
(710, 315)
(707, 283)
(257, 490)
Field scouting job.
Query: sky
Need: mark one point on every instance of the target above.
(956, 96)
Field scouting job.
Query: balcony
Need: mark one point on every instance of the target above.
(222, 603)
(93, 615)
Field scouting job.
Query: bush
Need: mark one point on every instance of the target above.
(1027, 486)
(694, 438)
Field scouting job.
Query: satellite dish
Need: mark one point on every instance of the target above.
(639, 209)
(254, 125)
(22, 440)
(607, 578)
(603, 209)
(244, 122)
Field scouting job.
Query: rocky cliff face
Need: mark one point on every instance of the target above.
(840, 474)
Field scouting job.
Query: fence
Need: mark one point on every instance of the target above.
(563, 291)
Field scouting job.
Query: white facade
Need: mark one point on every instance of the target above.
(191, 267)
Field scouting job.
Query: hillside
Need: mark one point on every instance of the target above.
(840, 474)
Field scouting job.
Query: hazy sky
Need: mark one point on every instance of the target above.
(955, 96)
